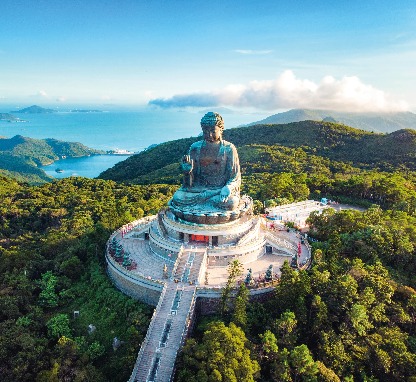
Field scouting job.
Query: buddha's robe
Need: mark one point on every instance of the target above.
(214, 166)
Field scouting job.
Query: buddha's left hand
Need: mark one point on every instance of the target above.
(225, 193)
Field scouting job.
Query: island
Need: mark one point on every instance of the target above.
(34, 109)
(10, 118)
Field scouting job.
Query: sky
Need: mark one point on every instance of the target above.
(244, 55)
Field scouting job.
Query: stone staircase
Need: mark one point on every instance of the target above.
(170, 323)
(181, 266)
(189, 265)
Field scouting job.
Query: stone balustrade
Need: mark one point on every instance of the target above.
(282, 244)
(210, 230)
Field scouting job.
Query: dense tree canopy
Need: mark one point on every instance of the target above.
(52, 241)
(222, 356)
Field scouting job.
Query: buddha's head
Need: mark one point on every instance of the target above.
(212, 127)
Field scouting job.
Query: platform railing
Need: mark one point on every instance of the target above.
(182, 226)
(235, 249)
(163, 243)
(281, 243)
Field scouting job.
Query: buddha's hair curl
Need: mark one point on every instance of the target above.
(212, 119)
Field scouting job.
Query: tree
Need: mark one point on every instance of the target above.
(235, 269)
(58, 326)
(48, 296)
(359, 319)
(325, 374)
(269, 342)
(302, 364)
(240, 307)
(221, 356)
(285, 327)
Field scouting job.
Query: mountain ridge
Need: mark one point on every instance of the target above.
(375, 121)
(329, 140)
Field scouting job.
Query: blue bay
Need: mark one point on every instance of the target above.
(132, 131)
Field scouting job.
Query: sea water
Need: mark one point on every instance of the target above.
(132, 131)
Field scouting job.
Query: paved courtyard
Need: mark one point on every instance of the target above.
(151, 265)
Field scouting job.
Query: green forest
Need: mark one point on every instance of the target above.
(52, 264)
(20, 157)
(351, 317)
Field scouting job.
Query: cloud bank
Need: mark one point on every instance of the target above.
(288, 91)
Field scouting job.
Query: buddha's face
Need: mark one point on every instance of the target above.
(212, 134)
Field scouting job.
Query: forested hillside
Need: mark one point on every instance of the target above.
(333, 161)
(52, 240)
(376, 121)
(336, 142)
(351, 317)
(20, 156)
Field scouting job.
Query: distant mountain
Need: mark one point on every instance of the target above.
(377, 122)
(22, 156)
(333, 141)
(34, 109)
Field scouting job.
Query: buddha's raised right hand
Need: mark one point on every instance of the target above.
(187, 164)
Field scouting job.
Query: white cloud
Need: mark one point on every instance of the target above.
(41, 94)
(61, 99)
(250, 51)
(288, 91)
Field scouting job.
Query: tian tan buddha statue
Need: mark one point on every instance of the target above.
(211, 171)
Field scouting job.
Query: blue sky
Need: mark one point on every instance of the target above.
(247, 55)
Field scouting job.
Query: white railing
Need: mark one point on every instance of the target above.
(163, 243)
(228, 250)
(185, 330)
(308, 260)
(251, 235)
(203, 268)
(281, 243)
(191, 227)
(134, 225)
